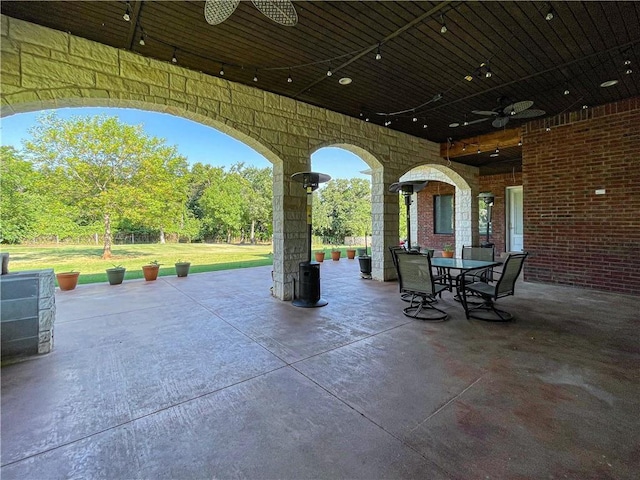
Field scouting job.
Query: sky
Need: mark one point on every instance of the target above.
(196, 142)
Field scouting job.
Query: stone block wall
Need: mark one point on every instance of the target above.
(27, 312)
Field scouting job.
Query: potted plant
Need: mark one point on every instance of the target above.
(151, 271)
(67, 280)
(364, 259)
(182, 268)
(335, 254)
(115, 275)
(447, 250)
(351, 253)
(319, 256)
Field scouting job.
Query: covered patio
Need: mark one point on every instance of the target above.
(210, 376)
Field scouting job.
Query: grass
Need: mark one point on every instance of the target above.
(87, 259)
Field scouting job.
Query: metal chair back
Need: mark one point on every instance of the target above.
(510, 273)
(414, 273)
(486, 254)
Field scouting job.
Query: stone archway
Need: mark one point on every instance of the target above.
(465, 209)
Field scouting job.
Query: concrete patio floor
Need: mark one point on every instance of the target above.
(210, 377)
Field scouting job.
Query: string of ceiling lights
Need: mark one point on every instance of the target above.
(416, 113)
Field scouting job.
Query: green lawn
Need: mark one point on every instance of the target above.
(87, 260)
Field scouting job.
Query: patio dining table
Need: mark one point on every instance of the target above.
(463, 265)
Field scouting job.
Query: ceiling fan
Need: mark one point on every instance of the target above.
(280, 11)
(513, 110)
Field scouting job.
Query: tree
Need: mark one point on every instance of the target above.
(17, 209)
(108, 169)
(258, 199)
(342, 208)
(223, 204)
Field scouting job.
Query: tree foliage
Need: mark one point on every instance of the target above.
(85, 175)
(108, 170)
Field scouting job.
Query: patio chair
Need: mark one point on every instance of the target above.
(417, 280)
(490, 293)
(486, 254)
(439, 278)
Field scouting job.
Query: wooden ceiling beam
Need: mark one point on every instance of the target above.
(469, 146)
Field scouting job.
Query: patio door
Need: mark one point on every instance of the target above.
(515, 236)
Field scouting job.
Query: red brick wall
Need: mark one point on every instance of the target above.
(576, 237)
(426, 237)
(497, 184)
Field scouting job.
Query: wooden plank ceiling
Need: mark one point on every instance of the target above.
(418, 85)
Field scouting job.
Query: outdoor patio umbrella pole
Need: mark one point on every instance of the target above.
(309, 274)
(407, 189)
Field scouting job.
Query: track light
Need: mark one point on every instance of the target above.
(222, 70)
(174, 59)
(127, 14)
(443, 28)
(378, 54)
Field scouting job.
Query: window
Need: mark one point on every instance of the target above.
(482, 218)
(443, 214)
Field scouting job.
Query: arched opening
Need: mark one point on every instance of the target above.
(369, 168)
(465, 209)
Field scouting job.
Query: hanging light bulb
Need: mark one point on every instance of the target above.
(424, 125)
(329, 72)
(464, 147)
(415, 119)
(255, 76)
(289, 79)
(142, 39)
(174, 59)
(520, 143)
(479, 152)
(378, 54)
(443, 28)
(550, 14)
(127, 14)
(222, 70)
(629, 71)
(566, 91)
(488, 73)
(497, 149)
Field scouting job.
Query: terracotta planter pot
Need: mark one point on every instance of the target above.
(319, 257)
(335, 256)
(67, 280)
(447, 254)
(182, 269)
(351, 254)
(150, 272)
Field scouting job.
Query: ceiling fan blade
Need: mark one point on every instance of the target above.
(217, 11)
(517, 107)
(489, 113)
(500, 122)
(529, 113)
(476, 121)
(280, 11)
